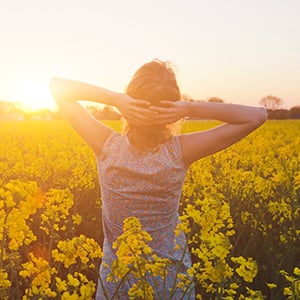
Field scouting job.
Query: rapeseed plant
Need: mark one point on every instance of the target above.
(235, 202)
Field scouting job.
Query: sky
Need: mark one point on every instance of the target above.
(237, 50)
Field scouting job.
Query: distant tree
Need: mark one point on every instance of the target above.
(271, 102)
(295, 112)
(215, 99)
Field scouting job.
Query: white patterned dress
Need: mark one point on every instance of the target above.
(147, 185)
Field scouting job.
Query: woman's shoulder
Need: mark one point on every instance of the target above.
(111, 140)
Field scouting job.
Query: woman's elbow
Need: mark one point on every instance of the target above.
(260, 116)
(263, 115)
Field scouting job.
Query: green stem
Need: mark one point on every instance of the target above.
(173, 290)
(155, 284)
(140, 272)
(103, 288)
(118, 287)
(188, 289)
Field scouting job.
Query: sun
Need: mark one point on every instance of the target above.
(34, 94)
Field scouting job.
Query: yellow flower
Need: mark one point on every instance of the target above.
(72, 281)
(61, 285)
(77, 219)
(4, 282)
(79, 248)
(248, 268)
(40, 273)
(271, 285)
(297, 271)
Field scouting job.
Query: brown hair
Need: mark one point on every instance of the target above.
(154, 81)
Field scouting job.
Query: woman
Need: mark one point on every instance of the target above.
(142, 170)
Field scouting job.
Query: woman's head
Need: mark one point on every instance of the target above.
(154, 81)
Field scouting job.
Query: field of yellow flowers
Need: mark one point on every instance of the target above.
(240, 210)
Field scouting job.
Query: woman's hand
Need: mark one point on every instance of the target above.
(171, 111)
(141, 113)
(135, 111)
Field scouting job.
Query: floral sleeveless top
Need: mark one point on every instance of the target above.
(146, 185)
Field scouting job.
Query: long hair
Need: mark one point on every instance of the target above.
(154, 81)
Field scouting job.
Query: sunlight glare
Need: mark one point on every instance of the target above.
(34, 95)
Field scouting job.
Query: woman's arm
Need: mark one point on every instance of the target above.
(239, 121)
(67, 93)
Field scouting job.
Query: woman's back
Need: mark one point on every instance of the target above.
(146, 185)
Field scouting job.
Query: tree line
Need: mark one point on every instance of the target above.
(9, 111)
